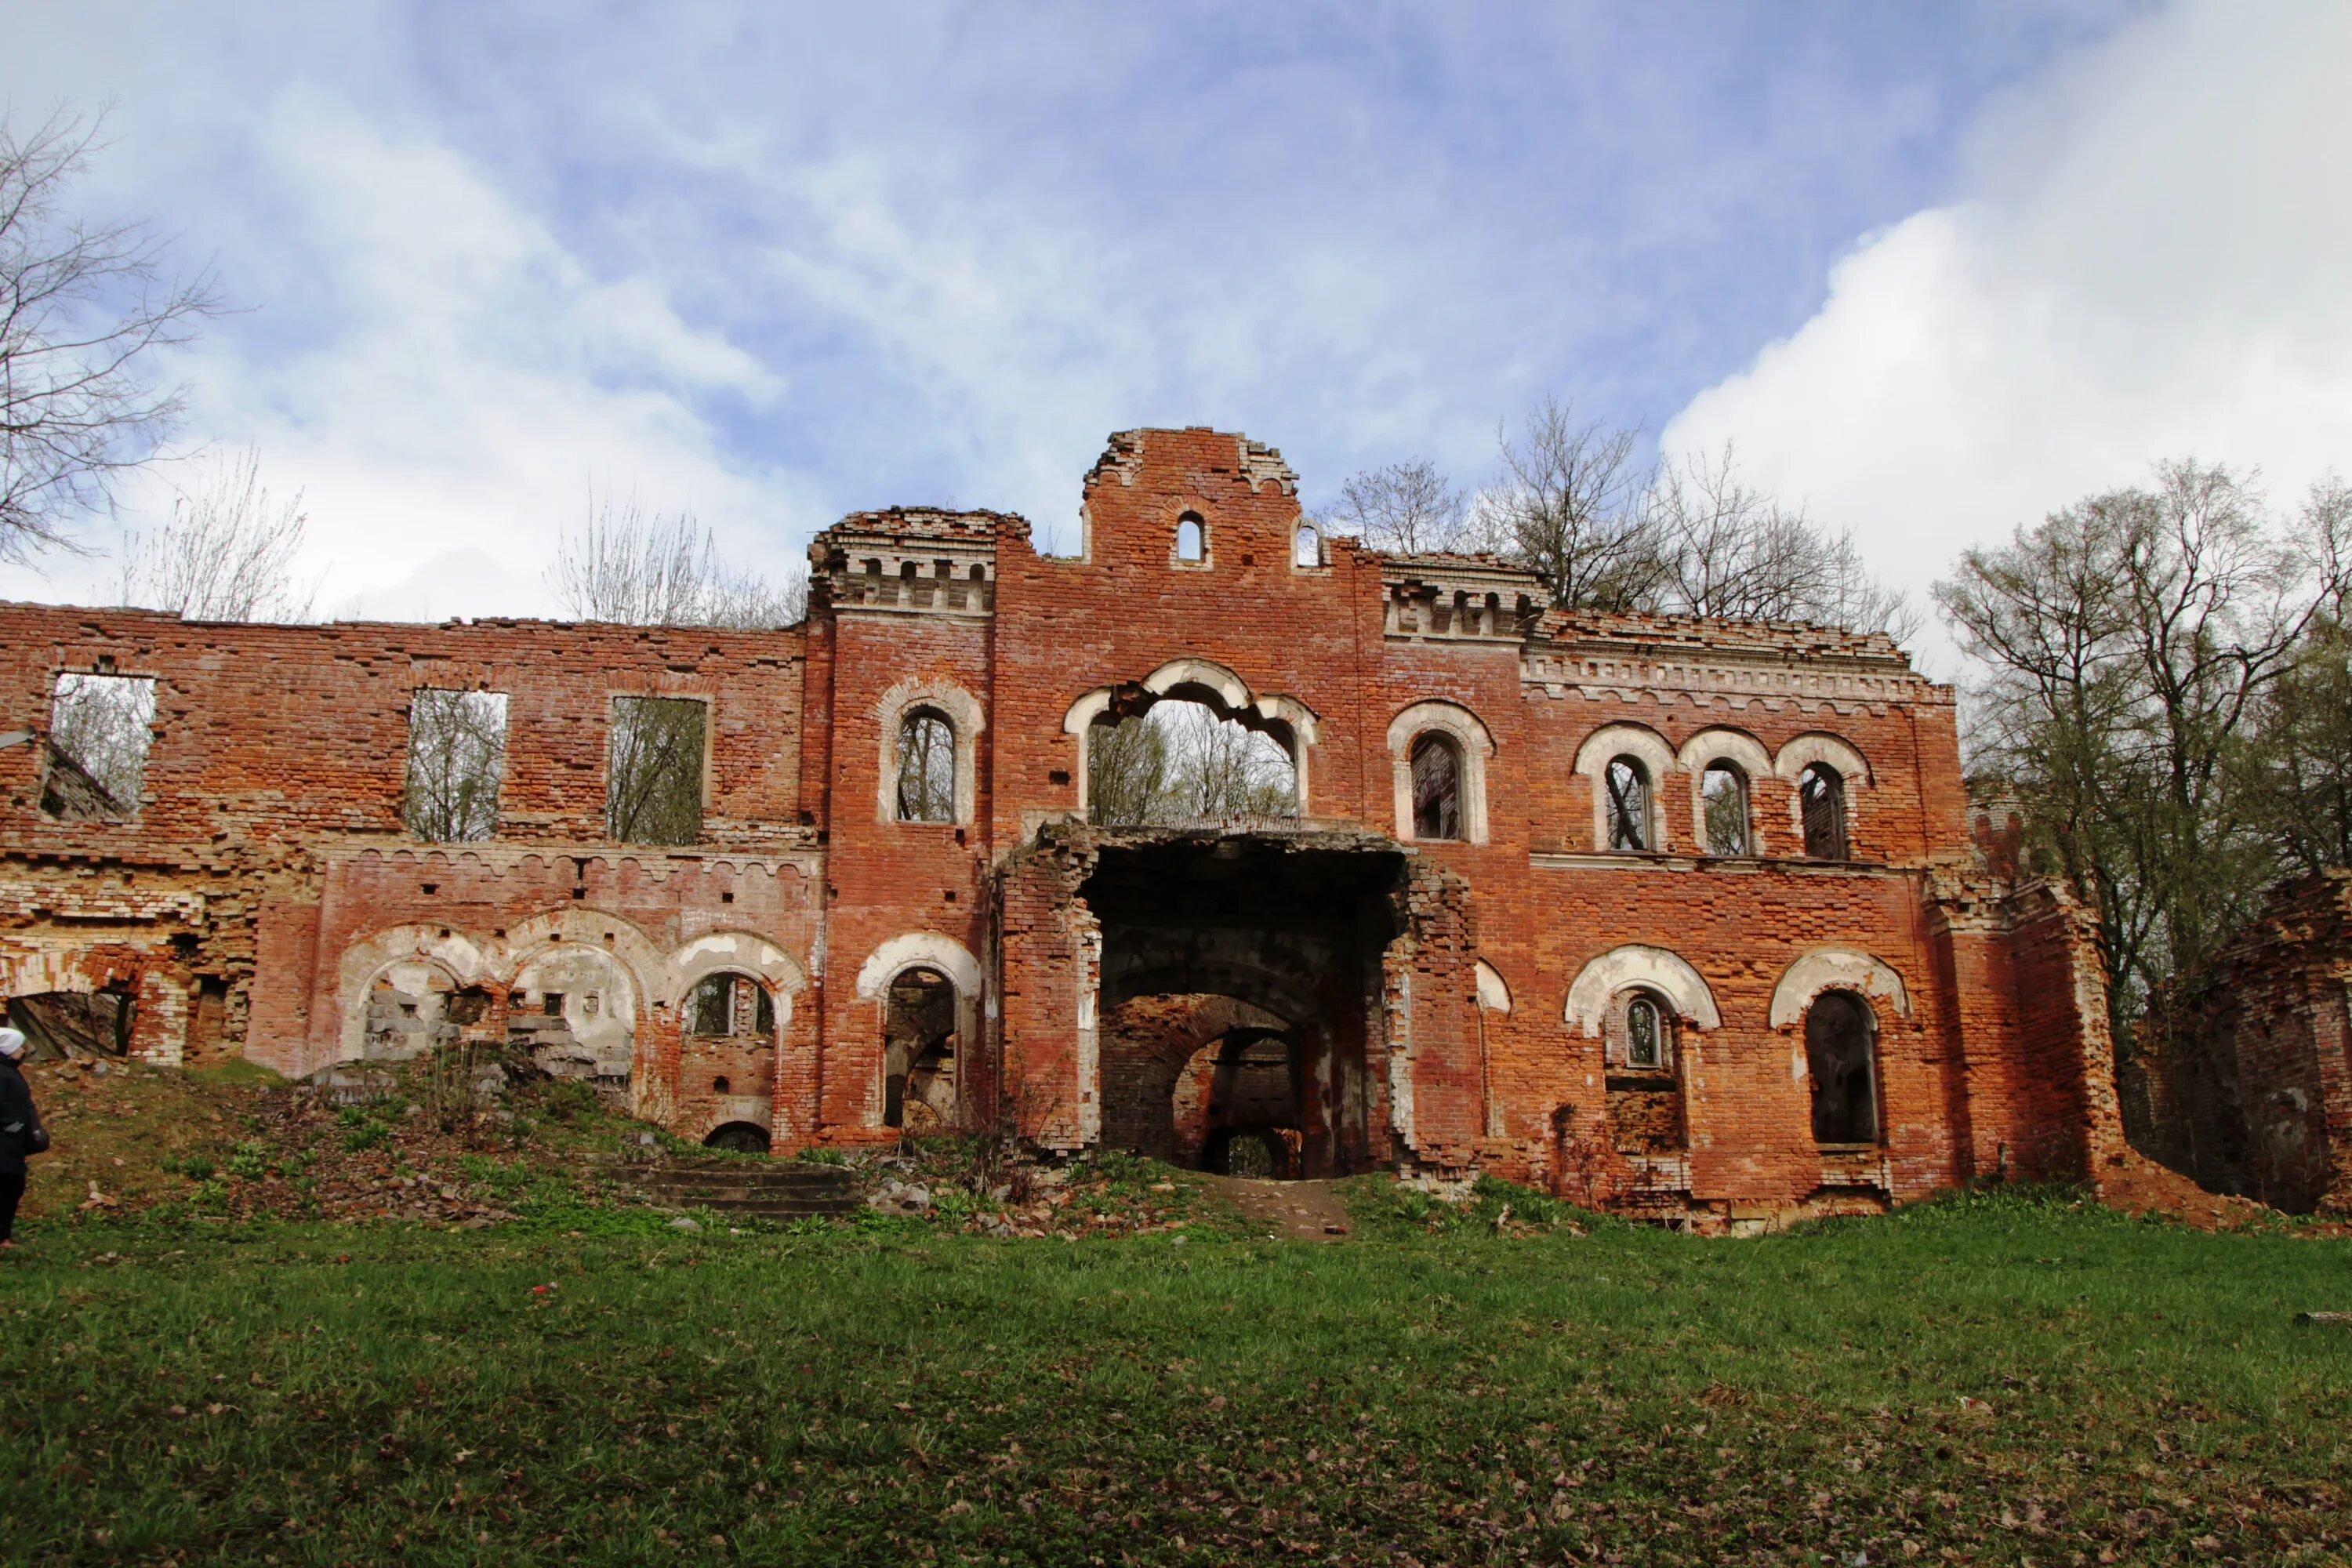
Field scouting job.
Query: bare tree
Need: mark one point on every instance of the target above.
(83, 307)
(1568, 503)
(100, 729)
(456, 761)
(654, 770)
(228, 554)
(1183, 763)
(2132, 644)
(1403, 507)
(654, 569)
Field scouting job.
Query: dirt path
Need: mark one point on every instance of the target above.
(1308, 1211)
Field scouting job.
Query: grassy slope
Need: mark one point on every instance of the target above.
(886, 1392)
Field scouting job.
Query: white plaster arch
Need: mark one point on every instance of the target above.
(1642, 743)
(414, 951)
(1231, 689)
(1494, 991)
(1471, 739)
(1742, 750)
(964, 716)
(1835, 968)
(1652, 969)
(735, 953)
(924, 950)
(1813, 746)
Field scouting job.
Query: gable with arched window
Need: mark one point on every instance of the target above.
(1438, 751)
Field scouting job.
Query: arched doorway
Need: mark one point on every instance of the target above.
(918, 1050)
(1236, 1106)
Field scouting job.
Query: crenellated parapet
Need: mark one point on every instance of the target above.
(1458, 598)
(913, 560)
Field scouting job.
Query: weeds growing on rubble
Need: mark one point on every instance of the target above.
(1998, 1378)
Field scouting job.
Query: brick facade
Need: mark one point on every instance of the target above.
(1445, 1004)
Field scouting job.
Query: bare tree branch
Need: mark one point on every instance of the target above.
(652, 569)
(82, 307)
(227, 554)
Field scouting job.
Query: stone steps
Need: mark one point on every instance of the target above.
(780, 1190)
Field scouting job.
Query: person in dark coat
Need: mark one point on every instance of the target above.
(18, 1120)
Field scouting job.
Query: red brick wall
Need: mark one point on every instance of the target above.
(271, 841)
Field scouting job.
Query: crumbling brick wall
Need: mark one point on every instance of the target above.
(266, 882)
(2246, 1070)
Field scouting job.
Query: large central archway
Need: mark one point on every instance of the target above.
(1212, 947)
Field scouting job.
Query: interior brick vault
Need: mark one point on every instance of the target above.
(1675, 914)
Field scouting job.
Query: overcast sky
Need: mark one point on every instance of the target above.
(1935, 270)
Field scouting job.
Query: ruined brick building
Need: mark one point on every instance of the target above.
(1678, 914)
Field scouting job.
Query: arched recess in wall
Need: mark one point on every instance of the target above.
(919, 954)
(1737, 750)
(417, 967)
(1652, 968)
(1494, 993)
(1226, 694)
(963, 714)
(1835, 968)
(1472, 744)
(1646, 747)
(740, 952)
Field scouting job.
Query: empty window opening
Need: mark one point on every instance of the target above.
(730, 1006)
(1841, 1052)
(919, 1052)
(550, 1003)
(1628, 783)
(59, 1024)
(1644, 1091)
(1822, 793)
(739, 1138)
(719, 1086)
(456, 762)
(653, 787)
(100, 727)
(1307, 546)
(1180, 761)
(1436, 788)
(1723, 807)
(1191, 538)
(1645, 1035)
(927, 767)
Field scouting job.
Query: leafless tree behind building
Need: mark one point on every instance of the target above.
(456, 762)
(83, 308)
(653, 568)
(1403, 507)
(653, 778)
(101, 728)
(230, 551)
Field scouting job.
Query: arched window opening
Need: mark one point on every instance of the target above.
(927, 764)
(1182, 762)
(1820, 794)
(1628, 783)
(739, 1138)
(1436, 788)
(1841, 1052)
(919, 1051)
(730, 1006)
(1192, 537)
(1307, 546)
(1646, 1035)
(719, 1086)
(1723, 806)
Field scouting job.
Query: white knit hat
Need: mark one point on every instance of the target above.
(12, 1044)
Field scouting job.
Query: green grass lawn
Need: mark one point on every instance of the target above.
(2001, 1380)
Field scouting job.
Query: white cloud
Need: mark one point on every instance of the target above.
(446, 382)
(2149, 259)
